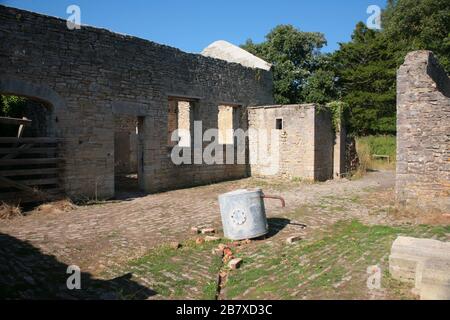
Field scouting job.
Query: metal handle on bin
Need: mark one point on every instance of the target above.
(283, 203)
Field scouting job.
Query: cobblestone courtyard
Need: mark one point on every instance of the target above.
(121, 246)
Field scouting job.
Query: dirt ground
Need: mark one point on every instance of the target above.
(120, 245)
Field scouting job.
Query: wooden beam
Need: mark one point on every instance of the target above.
(30, 140)
(15, 153)
(24, 197)
(13, 162)
(381, 156)
(15, 121)
(20, 186)
(28, 151)
(38, 182)
(29, 172)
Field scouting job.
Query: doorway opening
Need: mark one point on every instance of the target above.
(127, 154)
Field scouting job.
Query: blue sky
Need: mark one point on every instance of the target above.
(193, 24)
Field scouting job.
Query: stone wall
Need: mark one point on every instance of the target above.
(340, 160)
(306, 141)
(41, 117)
(423, 133)
(88, 75)
(324, 141)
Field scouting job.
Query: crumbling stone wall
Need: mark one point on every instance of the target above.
(423, 133)
(306, 140)
(88, 75)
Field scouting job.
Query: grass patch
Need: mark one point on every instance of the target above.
(368, 146)
(330, 267)
(188, 272)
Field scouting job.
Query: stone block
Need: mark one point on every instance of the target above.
(407, 252)
(195, 230)
(211, 238)
(208, 231)
(435, 280)
(235, 263)
(293, 239)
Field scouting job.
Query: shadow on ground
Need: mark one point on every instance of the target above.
(278, 224)
(127, 188)
(27, 273)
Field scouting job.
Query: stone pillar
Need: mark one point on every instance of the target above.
(339, 150)
(148, 154)
(423, 126)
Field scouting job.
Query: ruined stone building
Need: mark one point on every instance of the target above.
(91, 77)
(114, 100)
(423, 133)
(309, 148)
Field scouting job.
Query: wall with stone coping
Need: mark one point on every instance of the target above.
(88, 75)
(423, 133)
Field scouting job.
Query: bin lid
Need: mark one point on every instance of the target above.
(241, 191)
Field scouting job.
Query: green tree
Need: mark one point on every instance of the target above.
(418, 25)
(295, 56)
(320, 87)
(11, 106)
(366, 68)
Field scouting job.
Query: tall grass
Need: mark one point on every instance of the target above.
(368, 146)
(9, 211)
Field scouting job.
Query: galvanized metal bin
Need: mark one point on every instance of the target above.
(243, 214)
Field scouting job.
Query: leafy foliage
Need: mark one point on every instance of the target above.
(295, 56)
(339, 110)
(12, 106)
(366, 66)
(320, 87)
(418, 24)
(366, 71)
(362, 73)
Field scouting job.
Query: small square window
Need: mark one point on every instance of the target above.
(279, 124)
